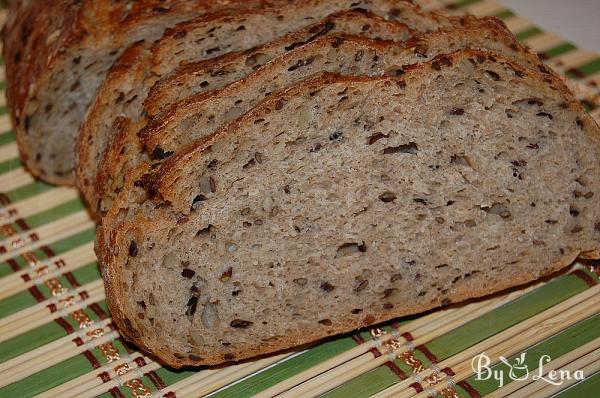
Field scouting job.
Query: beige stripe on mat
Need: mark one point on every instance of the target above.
(8, 151)
(15, 179)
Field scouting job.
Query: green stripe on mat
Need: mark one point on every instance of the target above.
(7, 137)
(57, 247)
(464, 3)
(16, 303)
(365, 385)
(9, 165)
(559, 50)
(48, 378)
(55, 213)
(505, 14)
(24, 299)
(587, 388)
(529, 33)
(585, 70)
(556, 346)
(288, 369)
(27, 191)
(40, 336)
(56, 375)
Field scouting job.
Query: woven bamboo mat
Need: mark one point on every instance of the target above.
(57, 338)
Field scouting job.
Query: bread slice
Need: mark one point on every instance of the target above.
(346, 201)
(130, 79)
(213, 74)
(170, 131)
(57, 54)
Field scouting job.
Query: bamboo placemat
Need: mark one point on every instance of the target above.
(57, 338)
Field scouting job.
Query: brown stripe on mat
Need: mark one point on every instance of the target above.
(469, 389)
(154, 378)
(428, 354)
(116, 393)
(408, 337)
(376, 353)
(90, 357)
(576, 72)
(585, 277)
(13, 264)
(98, 310)
(71, 279)
(22, 224)
(65, 325)
(4, 200)
(37, 294)
(105, 377)
(434, 360)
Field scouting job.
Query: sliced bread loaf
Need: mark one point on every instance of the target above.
(170, 131)
(194, 77)
(130, 78)
(167, 132)
(347, 55)
(57, 53)
(346, 201)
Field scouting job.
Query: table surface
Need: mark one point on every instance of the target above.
(576, 20)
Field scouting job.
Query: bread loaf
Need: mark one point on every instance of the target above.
(57, 53)
(345, 201)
